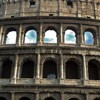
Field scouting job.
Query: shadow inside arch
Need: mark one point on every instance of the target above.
(49, 98)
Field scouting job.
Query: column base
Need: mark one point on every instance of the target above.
(37, 81)
(61, 81)
(13, 81)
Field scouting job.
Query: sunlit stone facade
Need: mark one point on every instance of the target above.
(67, 8)
(49, 50)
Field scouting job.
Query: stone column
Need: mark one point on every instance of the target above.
(13, 80)
(37, 96)
(87, 96)
(3, 39)
(85, 71)
(12, 96)
(61, 65)
(62, 96)
(82, 41)
(61, 38)
(19, 36)
(61, 69)
(38, 65)
(38, 69)
(40, 38)
(98, 36)
(96, 39)
(1, 35)
(78, 38)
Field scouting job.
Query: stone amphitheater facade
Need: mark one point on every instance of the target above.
(49, 71)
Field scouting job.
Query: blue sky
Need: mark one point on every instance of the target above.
(89, 40)
(31, 36)
(70, 37)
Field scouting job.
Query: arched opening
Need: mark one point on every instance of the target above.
(49, 98)
(89, 38)
(6, 69)
(24, 98)
(73, 99)
(2, 98)
(50, 70)
(70, 37)
(70, 3)
(11, 36)
(50, 36)
(30, 36)
(97, 99)
(27, 69)
(93, 70)
(72, 70)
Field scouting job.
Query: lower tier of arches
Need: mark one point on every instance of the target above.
(48, 93)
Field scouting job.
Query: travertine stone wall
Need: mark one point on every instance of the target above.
(79, 8)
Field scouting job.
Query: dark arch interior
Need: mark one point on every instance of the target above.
(6, 69)
(73, 99)
(50, 70)
(93, 70)
(49, 98)
(97, 99)
(72, 70)
(24, 98)
(27, 69)
(2, 98)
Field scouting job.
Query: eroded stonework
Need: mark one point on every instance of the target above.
(42, 70)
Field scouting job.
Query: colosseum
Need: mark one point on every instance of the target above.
(49, 49)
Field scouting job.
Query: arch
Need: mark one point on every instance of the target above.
(6, 68)
(24, 98)
(50, 69)
(3, 98)
(27, 70)
(50, 35)
(49, 98)
(70, 36)
(11, 35)
(30, 35)
(72, 69)
(73, 99)
(89, 37)
(93, 69)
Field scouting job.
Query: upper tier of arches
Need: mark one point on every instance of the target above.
(68, 35)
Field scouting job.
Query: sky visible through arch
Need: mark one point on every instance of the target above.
(11, 37)
(31, 36)
(50, 37)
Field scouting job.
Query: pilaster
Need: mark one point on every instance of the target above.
(61, 69)
(61, 37)
(81, 36)
(98, 36)
(85, 70)
(12, 96)
(40, 37)
(19, 41)
(13, 80)
(38, 69)
(1, 35)
(37, 96)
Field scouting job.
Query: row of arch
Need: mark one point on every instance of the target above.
(51, 69)
(48, 98)
(50, 36)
